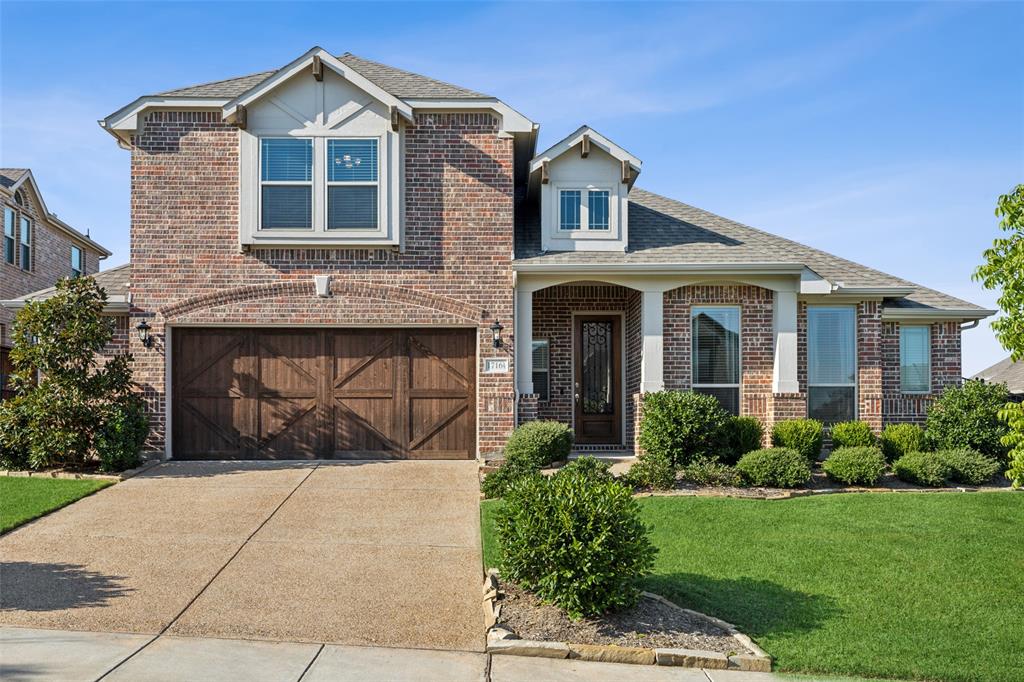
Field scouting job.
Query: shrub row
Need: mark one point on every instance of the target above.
(937, 468)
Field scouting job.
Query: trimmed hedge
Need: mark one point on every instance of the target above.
(740, 435)
(923, 468)
(968, 417)
(651, 470)
(803, 435)
(852, 435)
(575, 541)
(774, 467)
(588, 466)
(900, 439)
(682, 426)
(858, 465)
(517, 467)
(711, 473)
(542, 442)
(970, 467)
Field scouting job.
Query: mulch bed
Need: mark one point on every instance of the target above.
(649, 624)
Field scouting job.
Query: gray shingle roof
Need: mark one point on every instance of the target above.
(114, 281)
(1005, 372)
(9, 176)
(401, 84)
(662, 230)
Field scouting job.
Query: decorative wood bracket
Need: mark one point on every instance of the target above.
(318, 68)
(395, 117)
(627, 172)
(585, 147)
(241, 118)
(545, 174)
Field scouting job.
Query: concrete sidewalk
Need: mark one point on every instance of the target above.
(382, 553)
(32, 655)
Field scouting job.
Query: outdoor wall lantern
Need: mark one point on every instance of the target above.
(143, 329)
(496, 333)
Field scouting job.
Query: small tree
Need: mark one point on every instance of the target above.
(64, 398)
(1003, 270)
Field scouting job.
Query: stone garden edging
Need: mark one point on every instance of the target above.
(502, 642)
(805, 492)
(60, 473)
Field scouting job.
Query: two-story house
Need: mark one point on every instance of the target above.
(341, 259)
(38, 249)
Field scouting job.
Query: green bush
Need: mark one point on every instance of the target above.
(852, 435)
(574, 541)
(970, 467)
(711, 473)
(968, 417)
(774, 467)
(803, 435)
(682, 426)
(542, 442)
(122, 435)
(741, 435)
(497, 483)
(900, 439)
(858, 465)
(651, 470)
(923, 468)
(14, 422)
(589, 467)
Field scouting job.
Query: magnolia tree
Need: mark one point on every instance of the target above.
(1004, 270)
(68, 407)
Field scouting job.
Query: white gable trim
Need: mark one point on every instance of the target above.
(304, 62)
(511, 120)
(52, 219)
(574, 138)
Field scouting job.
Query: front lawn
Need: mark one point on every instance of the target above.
(915, 586)
(23, 499)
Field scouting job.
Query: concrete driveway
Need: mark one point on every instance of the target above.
(358, 553)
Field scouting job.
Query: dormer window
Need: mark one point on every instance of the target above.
(584, 209)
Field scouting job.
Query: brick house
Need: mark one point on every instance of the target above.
(38, 249)
(341, 259)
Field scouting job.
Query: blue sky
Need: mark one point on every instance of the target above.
(882, 132)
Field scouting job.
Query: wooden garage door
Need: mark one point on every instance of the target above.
(305, 394)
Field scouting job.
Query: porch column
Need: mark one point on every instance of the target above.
(524, 341)
(652, 318)
(784, 374)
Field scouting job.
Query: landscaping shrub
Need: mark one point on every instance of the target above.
(709, 472)
(803, 435)
(968, 466)
(899, 439)
(575, 541)
(682, 426)
(514, 468)
(542, 442)
(122, 435)
(740, 435)
(651, 470)
(852, 435)
(589, 467)
(923, 468)
(968, 417)
(14, 420)
(775, 467)
(859, 465)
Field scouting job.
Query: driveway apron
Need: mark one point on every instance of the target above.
(383, 553)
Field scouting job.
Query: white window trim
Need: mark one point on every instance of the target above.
(375, 231)
(80, 270)
(739, 347)
(25, 243)
(13, 236)
(928, 332)
(285, 183)
(856, 353)
(584, 210)
(546, 371)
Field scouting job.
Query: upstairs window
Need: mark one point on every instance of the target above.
(26, 244)
(831, 364)
(9, 220)
(77, 263)
(915, 359)
(583, 209)
(286, 183)
(715, 354)
(352, 184)
(541, 369)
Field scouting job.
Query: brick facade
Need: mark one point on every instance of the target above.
(51, 258)
(455, 269)
(945, 368)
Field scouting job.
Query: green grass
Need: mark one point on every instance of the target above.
(907, 586)
(23, 499)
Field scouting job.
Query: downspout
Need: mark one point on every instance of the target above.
(969, 325)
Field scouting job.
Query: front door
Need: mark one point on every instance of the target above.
(597, 390)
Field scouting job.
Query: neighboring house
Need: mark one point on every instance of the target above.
(1005, 372)
(38, 249)
(341, 259)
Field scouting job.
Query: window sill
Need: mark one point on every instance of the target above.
(316, 241)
